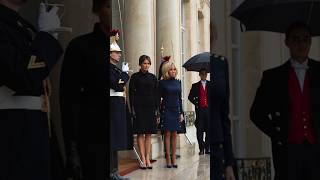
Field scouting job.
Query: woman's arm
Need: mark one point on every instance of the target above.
(132, 90)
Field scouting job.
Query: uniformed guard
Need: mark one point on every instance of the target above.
(84, 99)
(221, 153)
(26, 59)
(119, 124)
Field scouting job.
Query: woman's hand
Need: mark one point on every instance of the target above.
(181, 118)
(229, 173)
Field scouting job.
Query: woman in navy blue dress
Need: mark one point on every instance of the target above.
(172, 112)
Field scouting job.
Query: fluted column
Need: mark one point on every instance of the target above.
(139, 34)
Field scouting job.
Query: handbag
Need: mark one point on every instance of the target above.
(182, 127)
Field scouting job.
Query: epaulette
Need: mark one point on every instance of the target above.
(222, 58)
(117, 69)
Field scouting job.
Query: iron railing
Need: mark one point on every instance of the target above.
(254, 168)
(190, 117)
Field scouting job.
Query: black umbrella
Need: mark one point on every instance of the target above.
(200, 61)
(277, 15)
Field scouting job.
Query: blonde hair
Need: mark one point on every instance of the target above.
(166, 68)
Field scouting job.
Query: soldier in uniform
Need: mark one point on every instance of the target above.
(84, 82)
(119, 138)
(221, 153)
(26, 59)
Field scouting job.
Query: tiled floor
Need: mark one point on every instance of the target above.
(190, 167)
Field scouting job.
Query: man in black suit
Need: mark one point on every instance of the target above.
(286, 108)
(221, 153)
(199, 97)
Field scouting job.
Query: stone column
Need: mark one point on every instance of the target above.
(169, 34)
(168, 31)
(139, 32)
(191, 41)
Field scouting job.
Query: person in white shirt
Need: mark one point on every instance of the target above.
(199, 97)
(286, 108)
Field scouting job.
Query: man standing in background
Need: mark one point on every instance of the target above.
(286, 108)
(199, 97)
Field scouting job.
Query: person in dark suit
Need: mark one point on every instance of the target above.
(199, 97)
(221, 152)
(27, 56)
(87, 72)
(119, 124)
(286, 108)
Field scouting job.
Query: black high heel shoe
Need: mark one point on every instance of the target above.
(174, 165)
(143, 167)
(169, 166)
(149, 166)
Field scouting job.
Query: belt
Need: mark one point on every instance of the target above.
(114, 93)
(9, 101)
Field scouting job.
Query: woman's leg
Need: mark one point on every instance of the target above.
(167, 142)
(148, 149)
(174, 146)
(141, 142)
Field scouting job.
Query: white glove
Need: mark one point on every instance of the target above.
(49, 21)
(125, 67)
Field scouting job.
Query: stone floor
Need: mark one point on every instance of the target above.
(190, 167)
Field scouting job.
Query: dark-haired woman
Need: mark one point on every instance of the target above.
(143, 101)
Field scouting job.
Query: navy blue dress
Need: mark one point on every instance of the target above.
(170, 92)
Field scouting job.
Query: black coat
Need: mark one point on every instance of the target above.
(270, 111)
(194, 98)
(220, 125)
(26, 56)
(84, 100)
(143, 88)
(194, 94)
(26, 59)
(121, 137)
(84, 89)
(85, 82)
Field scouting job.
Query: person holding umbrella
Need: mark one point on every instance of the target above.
(199, 97)
(286, 106)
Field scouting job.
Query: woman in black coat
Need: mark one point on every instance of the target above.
(143, 101)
